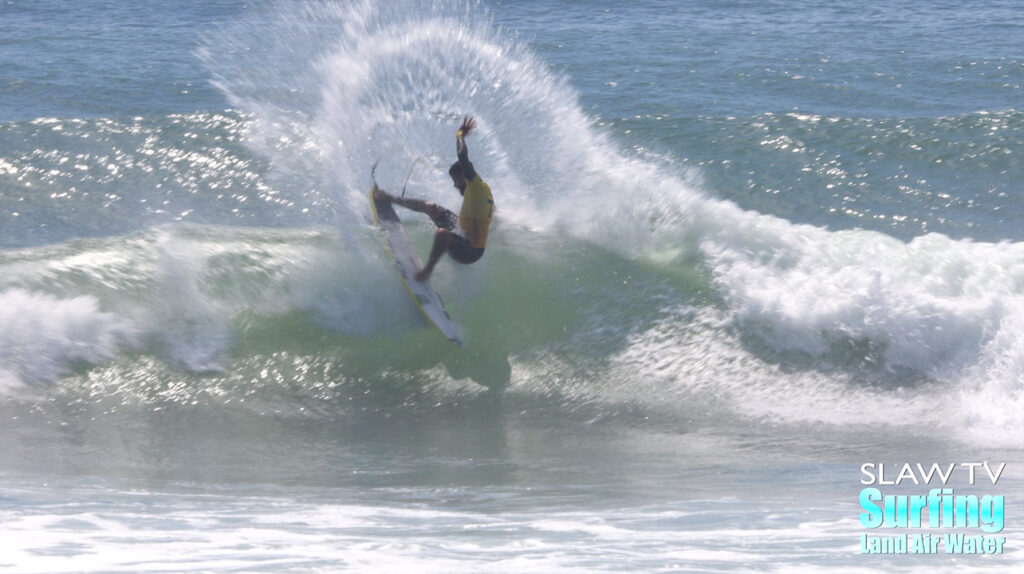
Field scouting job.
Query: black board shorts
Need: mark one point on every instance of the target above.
(459, 249)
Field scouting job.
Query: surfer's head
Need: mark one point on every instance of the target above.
(458, 174)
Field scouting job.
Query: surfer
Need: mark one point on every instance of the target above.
(463, 236)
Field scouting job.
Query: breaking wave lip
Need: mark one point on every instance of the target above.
(177, 292)
(42, 337)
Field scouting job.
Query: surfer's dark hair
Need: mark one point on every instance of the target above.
(457, 169)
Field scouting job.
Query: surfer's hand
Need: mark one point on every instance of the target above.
(468, 123)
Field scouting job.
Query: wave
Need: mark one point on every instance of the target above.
(795, 315)
(614, 281)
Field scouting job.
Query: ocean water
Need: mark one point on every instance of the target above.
(741, 250)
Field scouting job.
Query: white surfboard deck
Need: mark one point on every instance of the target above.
(408, 263)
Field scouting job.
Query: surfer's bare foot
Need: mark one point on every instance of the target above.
(423, 274)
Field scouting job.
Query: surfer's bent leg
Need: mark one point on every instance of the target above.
(453, 243)
(442, 239)
(442, 218)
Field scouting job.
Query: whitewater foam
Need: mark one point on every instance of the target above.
(43, 337)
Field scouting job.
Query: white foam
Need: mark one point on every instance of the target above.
(42, 337)
(116, 531)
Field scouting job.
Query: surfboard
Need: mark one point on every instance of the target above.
(408, 262)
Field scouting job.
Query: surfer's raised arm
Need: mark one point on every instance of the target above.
(468, 124)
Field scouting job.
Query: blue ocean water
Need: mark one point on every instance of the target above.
(741, 249)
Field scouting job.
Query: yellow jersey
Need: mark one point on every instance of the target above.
(477, 211)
